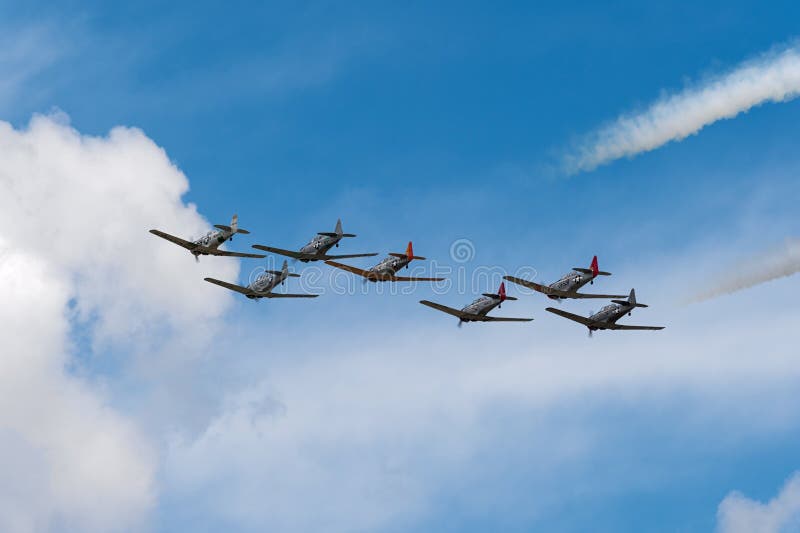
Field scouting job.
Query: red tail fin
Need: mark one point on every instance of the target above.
(410, 251)
(502, 292)
(595, 268)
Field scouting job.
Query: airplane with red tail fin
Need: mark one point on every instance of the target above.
(478, 309)
(569, 284)
(387, 269)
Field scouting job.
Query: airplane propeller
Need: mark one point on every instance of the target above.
(460, 323)
(590, 333)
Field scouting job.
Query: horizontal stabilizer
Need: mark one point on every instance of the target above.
(626, 302)
(589, 271)
(279, 272)
(497, 296)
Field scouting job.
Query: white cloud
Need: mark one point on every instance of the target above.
(371, 429)
(332, 425)
(772, 77)
(739, 514)
(74, 213)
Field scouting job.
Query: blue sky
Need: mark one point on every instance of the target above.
(436, 123)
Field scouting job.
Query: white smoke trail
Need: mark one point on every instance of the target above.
(771, 77)
(779, 263)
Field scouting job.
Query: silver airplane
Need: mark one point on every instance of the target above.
(209, 243)
(569, 284)
(317, 248)
(477, 310)
(607, 317)
(387, 269)
(262, 286)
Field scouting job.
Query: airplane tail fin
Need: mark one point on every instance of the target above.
(632, 300)
(594, 269)
(337, 232)
(501, 293)
(233, 228)
(285, 271)
(409, 253)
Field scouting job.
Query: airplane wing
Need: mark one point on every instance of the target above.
(355, 270)
(500, 319)
(580, 295)
(231, 286)
(445, 309)
(549, 291)
(544, 289)
(348, 256)
(287, 253)
(250, 292)
(402, 278)
(635, 328)
(279, 295)
(224, 253)
(577, 318)
(177, 240)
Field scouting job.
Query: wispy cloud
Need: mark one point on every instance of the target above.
(766, 266)
(25, 52)
(771, 77)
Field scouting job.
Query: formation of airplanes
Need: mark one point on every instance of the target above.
(567, 287)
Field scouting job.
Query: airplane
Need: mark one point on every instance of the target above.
(387, 269)
(569, 284)
(317, 248)
(263, 285)
(607, 317)
(477, 310)
(209, 243)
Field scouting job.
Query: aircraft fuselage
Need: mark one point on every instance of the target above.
(570, 282)
(387, 267)
(212, 239)
(319, 245)
(610, 314)
(481, 306)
